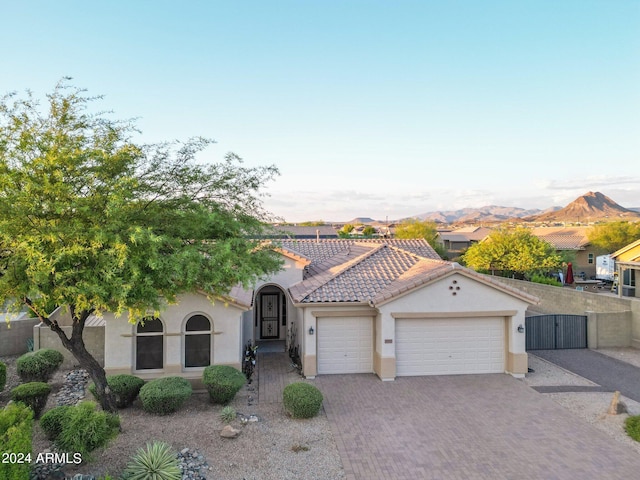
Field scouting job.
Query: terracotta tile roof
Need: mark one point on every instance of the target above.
(564, 238)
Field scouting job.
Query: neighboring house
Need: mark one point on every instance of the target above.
(573, 239)
(456, 242)
(628, 265)
(303, 232)
(389, 307)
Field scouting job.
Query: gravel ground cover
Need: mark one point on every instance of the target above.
(276, 447)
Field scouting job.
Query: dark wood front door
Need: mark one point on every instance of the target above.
(269, 315)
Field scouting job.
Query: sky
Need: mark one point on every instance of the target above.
(369, 108)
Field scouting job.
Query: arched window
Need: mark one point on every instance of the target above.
(197, 342)
(150, 344)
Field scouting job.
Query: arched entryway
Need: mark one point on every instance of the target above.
(270, 314)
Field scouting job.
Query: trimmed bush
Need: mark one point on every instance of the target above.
(165, 395)
(222, 382)
(85, 428)
(3, 376)
(125, 388)
(157, 462)
(302, 400)
(16, 428)
(32, 394)
(38, 366)
(53, 420)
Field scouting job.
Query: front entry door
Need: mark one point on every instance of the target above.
(269, 315)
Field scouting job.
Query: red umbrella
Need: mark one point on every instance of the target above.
(569, 278)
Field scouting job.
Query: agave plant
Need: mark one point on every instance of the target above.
(228, 414)
(157, 462)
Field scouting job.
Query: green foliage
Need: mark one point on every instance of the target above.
(512, 252)
(38, 366)
(16, 427)
(32, 394)
(538, 278)
(85, 428)
(612, 236)
(165, 395)
(222, 382)
(302, 400)
(53, 420)
(313, 223)
(632, 426)
(228, 414)
(413, 228)
(3, 376)
(124, 387)
(157, 462)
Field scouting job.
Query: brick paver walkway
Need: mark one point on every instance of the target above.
(274, 371)
(464, 427)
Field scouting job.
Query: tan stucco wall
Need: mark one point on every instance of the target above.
(611, 329)
(14, 335)
(471, 298)
(227, 337)
(93, 338)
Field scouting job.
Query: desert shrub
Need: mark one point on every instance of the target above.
(38, 366)
(124, 387)
(51, 422)
(3, 376)
(222, 382)
(302, 400)
(165, 395)
(228, 414)
(157, 462)
(16, 427)
(32, 394)
(632, 426)
(85, 428)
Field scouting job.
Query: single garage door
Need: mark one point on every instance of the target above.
(345, 345)
(449, 346)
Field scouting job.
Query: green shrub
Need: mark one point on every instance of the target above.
(157, 462)
(228, 414)
(222, 382)
(51, 422)
(38, 366)
(165, 395)
(632, 426)
(124, 387)
(84, 428)
(16, 428)
(32, 394)
(3, 376)
(537, 278)
(302, 400)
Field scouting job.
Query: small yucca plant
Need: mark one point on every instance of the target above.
(157, 462)
(228, 414)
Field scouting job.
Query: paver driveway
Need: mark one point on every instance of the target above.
(464, 427)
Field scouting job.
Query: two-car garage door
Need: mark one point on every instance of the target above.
(449, 346)
(431, 346)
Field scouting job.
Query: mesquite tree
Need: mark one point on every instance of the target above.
(92, 222)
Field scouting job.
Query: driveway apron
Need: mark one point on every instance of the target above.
(610, 373)
(464, 427)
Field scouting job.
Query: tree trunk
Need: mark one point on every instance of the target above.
(76, 346)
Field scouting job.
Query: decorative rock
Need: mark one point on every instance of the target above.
(229, 432)
(193, 465)
(73, 389)
(616, 407)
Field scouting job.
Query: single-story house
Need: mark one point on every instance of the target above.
(456, 242)
(384, 306)
(627, 266)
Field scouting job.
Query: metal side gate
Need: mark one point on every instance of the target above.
(553, 332)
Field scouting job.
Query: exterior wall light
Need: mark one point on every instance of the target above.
(311, 330)
(520, 328)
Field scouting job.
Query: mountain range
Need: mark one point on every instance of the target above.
(591, 206)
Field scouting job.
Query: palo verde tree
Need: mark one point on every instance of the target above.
(613, 236)
(512, 252)
(92, 222)
(414, 228)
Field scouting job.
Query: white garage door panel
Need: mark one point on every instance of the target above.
(449, 346)
(345, 345)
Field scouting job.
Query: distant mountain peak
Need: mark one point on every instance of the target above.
(590, 206)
